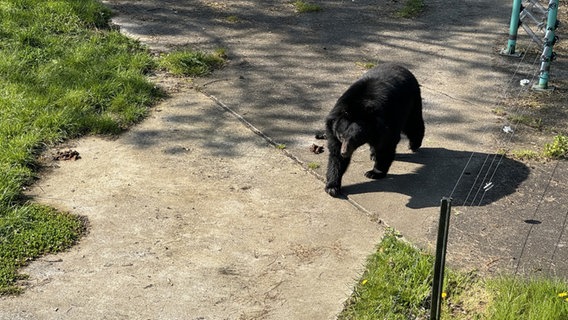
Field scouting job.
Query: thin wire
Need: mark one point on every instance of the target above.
(534, 216)
(476, 178)
(462, 174)
(508, 84)
(557, 244)
(491, 179)
(483, 182)
(512, 134)
(484, 185)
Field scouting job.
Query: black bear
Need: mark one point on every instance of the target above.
(375, 110)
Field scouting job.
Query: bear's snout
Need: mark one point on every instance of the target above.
(346, 150)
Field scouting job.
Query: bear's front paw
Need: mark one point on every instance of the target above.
(414, 146)
(375, 174)
(333, 191)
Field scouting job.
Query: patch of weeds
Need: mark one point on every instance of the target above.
(411, 9)
(533, 122)
(366, 65)
(280, 146)
(557, 149)
(525, 154)
(303, 7)
(499, 112)
(464, 297)
(221, 53)
(233, 19)
(313, 165)
(192, 63)
(501, 151)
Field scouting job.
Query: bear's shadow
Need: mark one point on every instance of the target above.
(470, 178)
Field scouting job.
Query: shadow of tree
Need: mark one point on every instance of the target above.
(286, 69)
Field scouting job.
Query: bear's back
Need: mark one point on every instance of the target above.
(380, 91)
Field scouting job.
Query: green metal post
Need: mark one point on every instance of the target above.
(514, 26)
(441, 244)
(549, 40)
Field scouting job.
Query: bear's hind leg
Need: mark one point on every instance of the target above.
(414, 129)
(384, 156)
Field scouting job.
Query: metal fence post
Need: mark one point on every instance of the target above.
(549, 40)
(513, 28)
(441, 244)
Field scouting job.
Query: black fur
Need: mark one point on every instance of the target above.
(375, 110)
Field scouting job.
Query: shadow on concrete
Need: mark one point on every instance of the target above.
(287, 69)
(470, 178)
(193, 124)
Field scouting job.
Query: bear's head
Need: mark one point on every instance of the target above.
(351, 135)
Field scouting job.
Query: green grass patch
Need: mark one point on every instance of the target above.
(366, 64)
(63, 73)
(192, 63)
(411, 9)
(303, 7)
(233, 19)
(557, 149)
(397, 285)
(526, 120)
(27, 232)
(313, 165)
(527, 299)
(525, 154)
(499, 111)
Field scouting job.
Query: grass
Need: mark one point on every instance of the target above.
(557, 149)
(531, 299)
(410, 9)
(303, 7)
(63, 73)
(313, 165)
(366, 65)
(397, 285)
(525, 154)
(233, 19)
(526, 120)
(499, 112)
(30, 231)
(191, 63)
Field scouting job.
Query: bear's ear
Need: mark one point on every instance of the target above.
(339, 126)
(334, 130)
(329, 123)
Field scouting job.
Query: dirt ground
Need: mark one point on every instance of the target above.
(193, 215)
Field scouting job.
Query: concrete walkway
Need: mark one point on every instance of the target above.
(195, 216)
